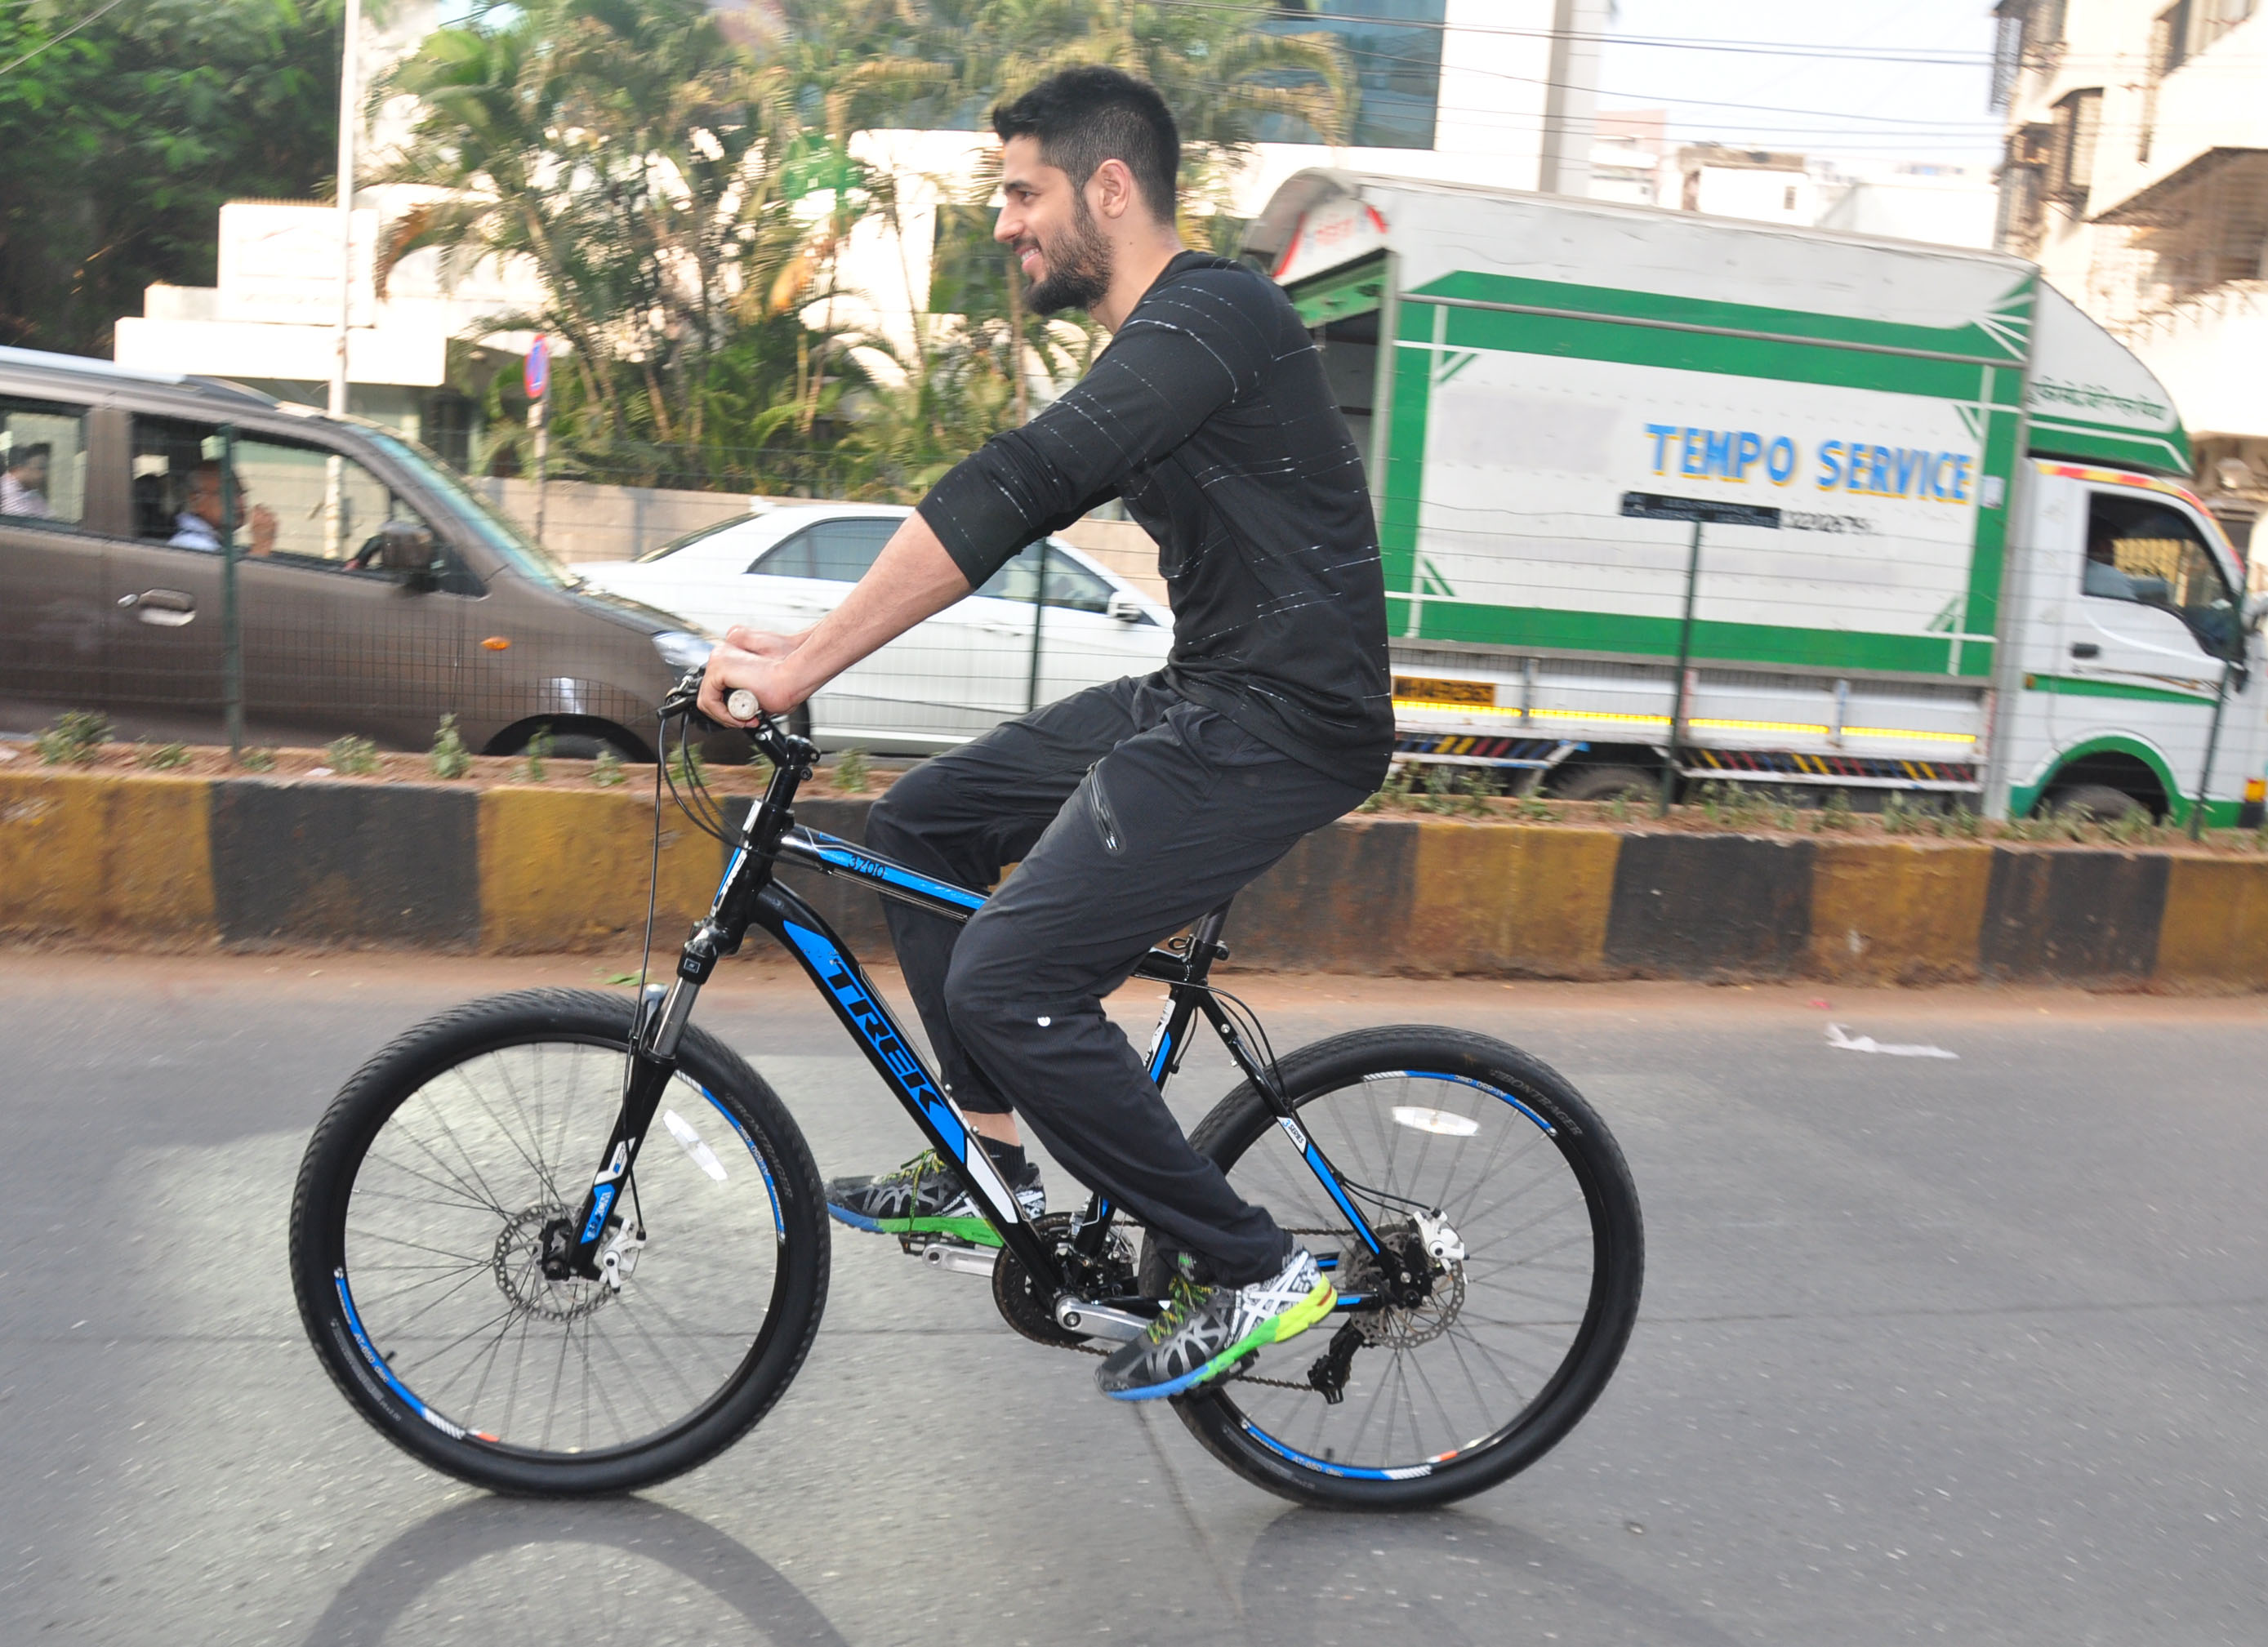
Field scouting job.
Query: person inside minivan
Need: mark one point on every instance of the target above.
(24, 487)
(199, 524)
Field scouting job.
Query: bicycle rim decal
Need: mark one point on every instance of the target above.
(1352, 1471)
(779, 1223)
(455, 1432)
(1462, 1080)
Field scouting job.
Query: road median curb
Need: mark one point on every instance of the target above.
(250, 862)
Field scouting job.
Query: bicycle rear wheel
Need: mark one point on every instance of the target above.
(1480, 1364)
(418, 1222)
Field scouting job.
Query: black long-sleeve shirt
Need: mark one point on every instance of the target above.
(1209, 415)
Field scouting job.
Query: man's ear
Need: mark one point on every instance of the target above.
(1112, 190)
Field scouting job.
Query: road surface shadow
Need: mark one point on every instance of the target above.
(614, 1570)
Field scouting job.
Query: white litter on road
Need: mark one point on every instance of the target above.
(1842, 1042)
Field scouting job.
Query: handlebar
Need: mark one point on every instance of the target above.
(780, 746)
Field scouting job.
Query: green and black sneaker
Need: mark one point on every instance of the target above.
(922, 1198)
(1205, 1332)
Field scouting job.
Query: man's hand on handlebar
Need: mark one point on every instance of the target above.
(761, 663)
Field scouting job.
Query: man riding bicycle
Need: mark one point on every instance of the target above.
(1130, 809)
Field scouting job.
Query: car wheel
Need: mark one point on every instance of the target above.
(1606, 784)
(2091, 803)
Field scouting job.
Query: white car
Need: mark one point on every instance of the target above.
(945, 681)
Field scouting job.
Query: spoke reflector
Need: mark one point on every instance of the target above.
(704, 1157)
(1439, 1121)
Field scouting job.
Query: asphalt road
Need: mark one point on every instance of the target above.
(1970, 1350)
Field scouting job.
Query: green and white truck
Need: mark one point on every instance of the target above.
(1662, 495)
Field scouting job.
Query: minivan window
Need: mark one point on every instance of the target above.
(298, 504)
(42, 463)
(497, 532)
(2153, 556)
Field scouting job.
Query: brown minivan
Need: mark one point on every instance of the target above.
(375, 593)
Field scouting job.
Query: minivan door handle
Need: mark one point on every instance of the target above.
(2085, 649)
(167, 608)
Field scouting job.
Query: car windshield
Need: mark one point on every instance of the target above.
(498, 533)
(692, 538)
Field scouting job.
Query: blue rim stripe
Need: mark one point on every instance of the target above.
(1478, 1086)
(771, 1192)
(1355, 1471)
(378, 1365)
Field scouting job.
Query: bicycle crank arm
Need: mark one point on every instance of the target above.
(1099, 1320)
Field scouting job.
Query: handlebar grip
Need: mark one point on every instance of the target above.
(740, 703)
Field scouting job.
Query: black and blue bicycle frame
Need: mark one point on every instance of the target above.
(749, 895)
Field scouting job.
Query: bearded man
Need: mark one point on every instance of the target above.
(1130, 809)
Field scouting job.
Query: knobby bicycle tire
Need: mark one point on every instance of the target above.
(436, 1130)
(1562, 1199)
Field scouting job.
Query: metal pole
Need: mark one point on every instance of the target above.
(334, 524)
(1038, 605)
(2211, 745)
(232, 645)
(540, 415)
(1677, 696)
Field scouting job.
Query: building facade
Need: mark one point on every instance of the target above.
(2136, 174)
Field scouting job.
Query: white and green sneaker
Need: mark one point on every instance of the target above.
(922, 1198)
(1205, 1331)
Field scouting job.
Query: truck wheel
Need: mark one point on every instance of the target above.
(1606, 784)
(2091, 803)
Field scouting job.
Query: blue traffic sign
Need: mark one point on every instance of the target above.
(536, 374)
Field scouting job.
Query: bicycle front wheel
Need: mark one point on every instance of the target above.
(1451, 1373)
(419, 1222)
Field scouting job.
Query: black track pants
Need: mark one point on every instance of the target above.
(1129, 811)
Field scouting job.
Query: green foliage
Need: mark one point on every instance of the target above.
(684, 187)
(164, 757)
(449, 758)
(540, 745)
(687, 770)
(1898, 816)
(75, 739)
(850, 772)
(357, 757)
(257, 759)
(1835, 812)
(607, 770)
(123, 139)
(1393, 792)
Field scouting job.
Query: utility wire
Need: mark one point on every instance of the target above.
(57, 40)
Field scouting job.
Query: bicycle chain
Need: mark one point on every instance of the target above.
(1233, 1377)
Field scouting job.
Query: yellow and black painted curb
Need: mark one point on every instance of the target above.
(254, 864)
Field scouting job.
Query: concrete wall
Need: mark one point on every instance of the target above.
(258, 863)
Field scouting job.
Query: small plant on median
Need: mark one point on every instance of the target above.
(687, 770)
(1835, 812)
(75, 739)
(356, 757)
(850, 772)
(1963, 824)
(607, 770)
(540, 745)
(1440, 783)
(1617, 806)
(1393, 792)
(449, 759)
(1898, 817)
(164, 757)
(257, 759)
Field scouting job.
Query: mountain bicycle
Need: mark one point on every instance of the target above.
(563, 1243)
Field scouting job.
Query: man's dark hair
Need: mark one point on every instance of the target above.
(1085, 116)
(18, 457)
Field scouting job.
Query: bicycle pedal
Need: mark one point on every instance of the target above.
(958, 1256)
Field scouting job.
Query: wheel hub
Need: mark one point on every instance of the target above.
(527, 1251)
(1418, 1296)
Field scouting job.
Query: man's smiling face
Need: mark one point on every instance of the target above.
(1046, 222)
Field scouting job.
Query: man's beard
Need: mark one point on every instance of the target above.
(1079, 266)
